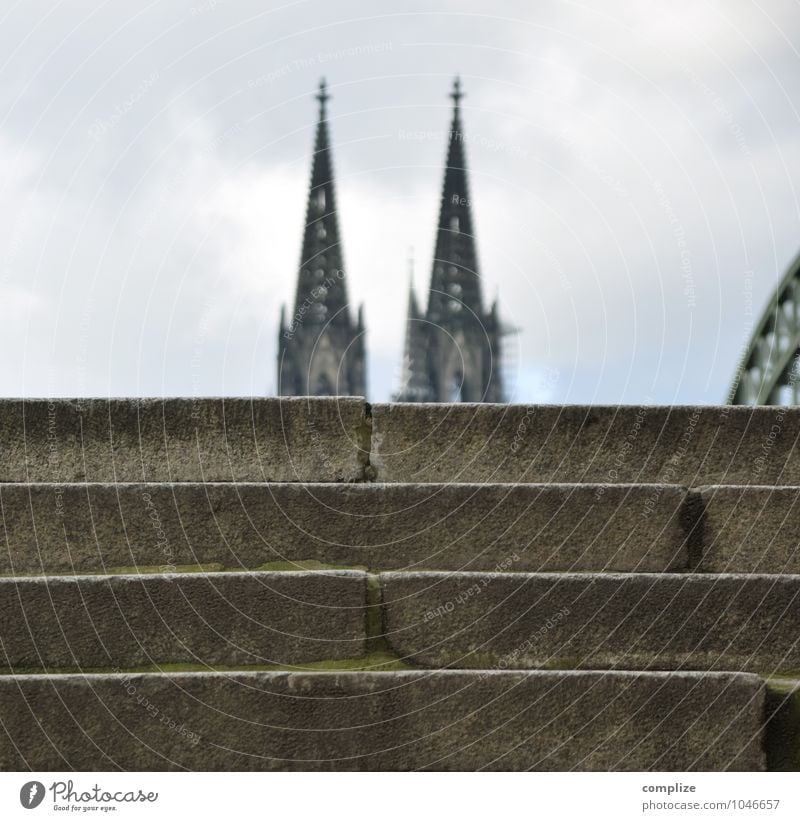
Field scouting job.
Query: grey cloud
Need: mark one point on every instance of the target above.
(156, 161)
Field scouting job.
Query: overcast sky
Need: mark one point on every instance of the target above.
(634, 170)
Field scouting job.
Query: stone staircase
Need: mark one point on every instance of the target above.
(322, 584)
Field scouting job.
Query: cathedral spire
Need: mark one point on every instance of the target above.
(321, 285)
(313, 345)
(414, 383)
(455, 280)
(452, 354)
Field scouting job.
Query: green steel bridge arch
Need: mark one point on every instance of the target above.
(769, 373)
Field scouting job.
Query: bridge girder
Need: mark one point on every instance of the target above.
(769, 371)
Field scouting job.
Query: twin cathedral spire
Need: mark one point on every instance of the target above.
(451, 350)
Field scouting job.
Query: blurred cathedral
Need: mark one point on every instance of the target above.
(321, 350)
(452, 350)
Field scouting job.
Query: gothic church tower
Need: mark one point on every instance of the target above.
(452, 354)
(321, 351)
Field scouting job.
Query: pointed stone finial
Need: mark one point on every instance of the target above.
(323, 97)
(456, 94)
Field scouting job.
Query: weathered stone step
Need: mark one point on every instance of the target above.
(594, 621)
(687, 446)
(751, 529)
(782, 737)
(163, 440)
(446, 720)
(215, 619)
(79, 528)
(343, 439)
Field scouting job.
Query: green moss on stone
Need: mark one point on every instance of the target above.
(373, 662)
(374, 617)
(305, 564)
(782, 736)
(211, 567)
(133, 570)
